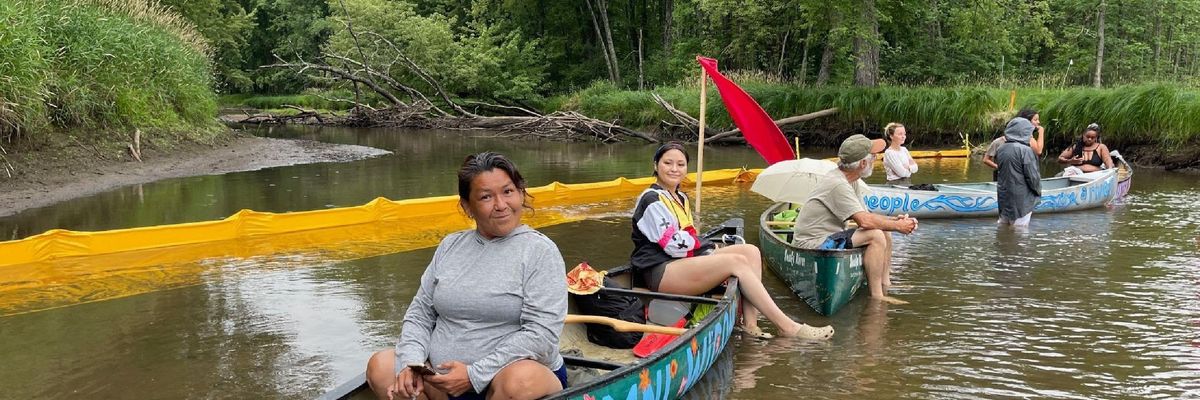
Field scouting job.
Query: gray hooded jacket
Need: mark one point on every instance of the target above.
(1018, 181)
(488, 303)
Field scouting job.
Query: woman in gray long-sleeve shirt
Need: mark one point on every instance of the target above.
(491, 304)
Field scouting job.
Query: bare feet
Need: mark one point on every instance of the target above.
(890, 300)
(805, 331)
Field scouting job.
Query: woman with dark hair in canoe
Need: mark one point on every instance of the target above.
(491, 304)
(989, 156)
(671, 258)
(1087, 155)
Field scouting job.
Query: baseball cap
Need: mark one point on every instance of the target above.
(857, 147)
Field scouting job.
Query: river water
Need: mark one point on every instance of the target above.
(1103, 303)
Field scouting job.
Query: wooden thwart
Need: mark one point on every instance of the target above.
(623, 326)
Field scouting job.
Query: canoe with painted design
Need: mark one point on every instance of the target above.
(666, 374)
(825, 279)
(1060, 194)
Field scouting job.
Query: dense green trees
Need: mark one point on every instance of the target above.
(530, 51)
(246, 34)
(520, 49)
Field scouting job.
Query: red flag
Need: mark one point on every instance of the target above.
(757, 127)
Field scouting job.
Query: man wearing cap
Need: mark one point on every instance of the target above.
(838, 198)
(1018, 179)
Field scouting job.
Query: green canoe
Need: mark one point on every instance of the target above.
(825, 279)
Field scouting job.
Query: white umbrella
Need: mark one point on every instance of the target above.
(791, 180)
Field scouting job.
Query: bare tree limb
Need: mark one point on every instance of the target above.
(342, 74)
(390, 81)
(425, 76)
(504, 107)
(688, 122)
(357, 45)
(334, 100)
(778, 122)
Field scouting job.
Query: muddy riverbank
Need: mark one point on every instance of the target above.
(46, 177)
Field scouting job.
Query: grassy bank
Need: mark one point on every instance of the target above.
(1148, 114)
(94, 70)
(310, 99)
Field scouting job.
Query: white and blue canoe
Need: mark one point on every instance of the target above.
(964, 200)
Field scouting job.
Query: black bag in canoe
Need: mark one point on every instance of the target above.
(622, 307)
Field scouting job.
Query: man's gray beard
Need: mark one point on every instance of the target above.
(867, 171)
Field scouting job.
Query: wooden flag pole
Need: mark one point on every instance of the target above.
(700, 152)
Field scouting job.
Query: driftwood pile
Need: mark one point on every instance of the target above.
(304, 117)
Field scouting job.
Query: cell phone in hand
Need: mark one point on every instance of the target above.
(421, 369)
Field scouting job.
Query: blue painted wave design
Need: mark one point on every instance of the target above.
(942, 202)
(1085, 195)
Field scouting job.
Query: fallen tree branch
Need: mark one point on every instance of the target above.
(779, 122)
(303, 117)
(340, 100)
(412, 93)
(504, 107)
(303, 65)
(549, 126)
(304, 113)
(357, 45)
(424, 76)
(686, 120)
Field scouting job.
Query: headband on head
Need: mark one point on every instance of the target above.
(670, 146)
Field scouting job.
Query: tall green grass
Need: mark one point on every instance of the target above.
(1154, 113)
(321, 100)
(99, 67)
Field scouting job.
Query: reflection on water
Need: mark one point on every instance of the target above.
(1101, 303)
(423, 164)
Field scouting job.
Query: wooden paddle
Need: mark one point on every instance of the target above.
(623, 326)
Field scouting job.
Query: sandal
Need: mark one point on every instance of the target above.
(807, 331)
(757, 333)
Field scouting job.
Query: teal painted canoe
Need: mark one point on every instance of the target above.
(825, 279)
(664, 375)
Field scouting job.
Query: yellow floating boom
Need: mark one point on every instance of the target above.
(442, 212)
(61, 267)
(954, 153)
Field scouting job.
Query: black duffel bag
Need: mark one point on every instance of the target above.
(622, 307)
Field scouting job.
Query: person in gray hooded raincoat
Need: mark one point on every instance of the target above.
(1018, 183)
